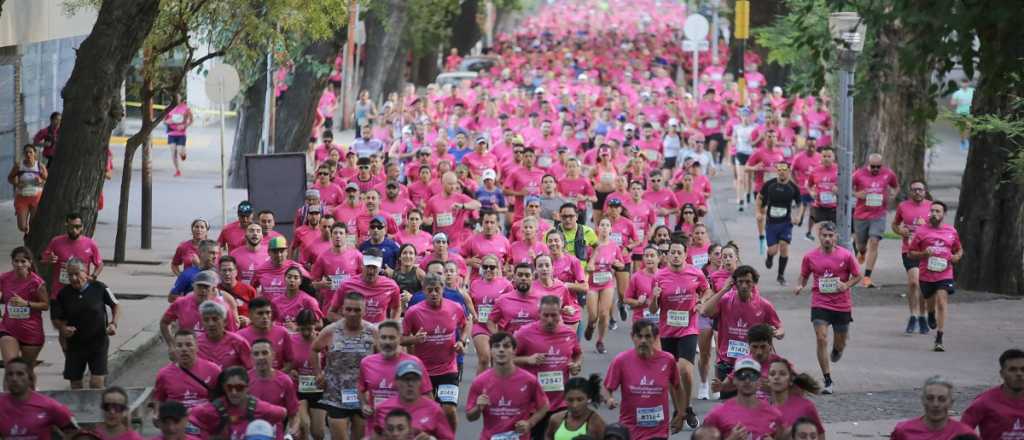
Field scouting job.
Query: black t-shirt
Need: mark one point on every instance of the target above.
(86, 310)
(779, 198)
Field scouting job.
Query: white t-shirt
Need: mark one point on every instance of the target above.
(742, 138)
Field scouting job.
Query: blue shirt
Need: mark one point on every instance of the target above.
(490, 199)
(458, 153)
(449, 293)
(183, 284)
(388, 249)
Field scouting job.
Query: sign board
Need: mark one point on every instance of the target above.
(696, 27)
(277, 182)
(222, 83)
(698, 46)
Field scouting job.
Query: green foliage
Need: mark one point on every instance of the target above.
(799, 40)
(428, 24)
(1009, 125)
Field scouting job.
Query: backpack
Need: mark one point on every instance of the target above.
(223, 427)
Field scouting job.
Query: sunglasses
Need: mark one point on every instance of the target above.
(876, 167)
(689, 212)
(489, 266)
(364, 167)
(376, 226)
(78, 226)
(238, 387)
(114, 407)
(699, 142)
(323, 174)
(748, 375)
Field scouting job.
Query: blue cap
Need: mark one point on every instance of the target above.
(531, 198)
(379, 219)
(408, 367)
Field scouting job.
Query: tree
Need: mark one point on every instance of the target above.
(92, 109)
(295, 119)
(386, 47)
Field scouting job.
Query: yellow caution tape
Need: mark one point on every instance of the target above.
(194, 110)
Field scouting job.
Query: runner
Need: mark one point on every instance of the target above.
(272, 385)
(677, 290)
(312, 415)
(447, 211)
(234, 234)
(241, 292)
(208, 252)
(178, 120)
(641, 284)
(489, 241)
(116, 422)
(377, 371)
(172, 420)
(216, 343)
(379, 240)
(187, 253)
(269, 278)
(22, 406)
(335, 265)
(515, 309)
(745, 411)
(288, 304)
(188, 378)
(762, 350)
(263, 327)
(998, 411)
(47, 138)
(71, 245)
(788, 390)
(743, 141)
(79, 312)
(802, 164)
(346, 342)
(232, 408)
(429, 331)
(23, 295)
(937, 248)
(427, 417)
(648, 377)
(775, 204)
(550, 351)
(835, 273)
(381, 294)
(484, 291)
(822, 186)
(519, 404)
(28, 176)
(937, 400)
(608, 257)
(873, 186)
(252, 254)
(578, 418)
(184, 312)
(961, 102)
(910, 214)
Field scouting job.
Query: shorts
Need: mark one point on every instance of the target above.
(722, 370)
(909, 263)
(864, 229)
(806, 199)
(681, 348)
(840, 321)
(705, 323)
(313, 399)
(741, 158)
(633, 257)
(176, 139)
(776, 232)
(599, 203)
(822, 214)
(29, 341)
(930, 288)
(669, 163)
(94, 357)
(717, 137)
(26, 203)
(334, 412)
(444, 379)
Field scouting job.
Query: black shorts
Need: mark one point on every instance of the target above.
(334, 412)
(313, 400)
(741, 158)
(681, 348)
(444, 379)
(806, 199)
(819, 214)
(840, 321)
(669, 163)
(909, 263)
(599, 203)
(717, 137)
(76, 359)
(930, 288)
(722, 370)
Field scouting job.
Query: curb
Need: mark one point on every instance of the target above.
(132, 350)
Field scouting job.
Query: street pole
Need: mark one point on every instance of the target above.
(696, 75)
(146, 216)
(714, 31)
(223, 167)
(347, 68)
(268, 108)
(847, 65)
(742, 33)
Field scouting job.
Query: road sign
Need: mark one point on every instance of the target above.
(698, 46)
(696, 27)
(222, 83)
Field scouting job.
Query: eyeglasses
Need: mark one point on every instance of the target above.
(238, 387)
(917, 189)
(376, 226)
(114, 407)
(568, 215)
(748, 375)
(489, 266)
(699, 142)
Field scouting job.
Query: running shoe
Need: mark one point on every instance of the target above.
(600, 348)
(704, 392)
(860, 258)
(768, 261)
(622, 312)
(932, 323)
(782, 280)
(613, 325)
(922, 325)
(691, 418)
(835, 356)
(866, 283)
(177, 173)
(589, 332)
(827, 389)
(808, 236)
(939, 347)
(911, 325)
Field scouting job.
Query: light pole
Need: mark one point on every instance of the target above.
(847, 31)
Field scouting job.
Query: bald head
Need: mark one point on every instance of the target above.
(875, 159)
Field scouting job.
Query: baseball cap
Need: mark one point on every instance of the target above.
(672, 122)
(245, 207)
(518, 140)
(745, 111)
(629, 126)
(373, 257)
(312, 193)
(314, 208)
(363, 161)
(440, 236)
(481, 140)
(490, 174)
(260, 430)
(408, 367)
(351, 186)
(614, 202)
(393, 183)
(277, 243)
(746, 363)
(531, 199)
(616, 431)
(172, 409)
(206, 278)
(378, 219)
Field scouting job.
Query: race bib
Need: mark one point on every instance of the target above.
(350, 239)
(448, 393)
(445, 219)
(737, 349)
(828, 284)
(716, 76)
(617, 237)
(607, 178)
(827, 197)
(397, 218)
(650, 417)
(29, 191)
(544, 161)
(18, 312)
(602, 277)
(177, 118)
(679, 318)
(650, 154)
(814, 133)
(935, 264)
(660, 221)
(787, 151)
(873, 200)
(754, 84)
(711, 123)
(350, 397)
(377, 400)
(551, 381)
(337, 279)
(507, 435)
(307, 384)
(699, 260)
(483, 312)
(653, 317)
(778, 211)
(63, 278)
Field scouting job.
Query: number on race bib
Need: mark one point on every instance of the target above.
(177, 118)
(397, 218)
(937, 264)
(711, 123)
(828, 284)
(448, 393)
(699, 260)
(602, 277)
(507, 435)
(653, 317)
(337, 279)
(814, 133)
(63, 278)
(778, 211)
(873, 200)
(551, 381)
(754, 84)
(679, 318)
(827, 197)
(349, 398)
(445, 219)
(483, 312)
(544, 161)
(650, 417)
(617, 237)
(16, 312)
(737, 349)
(307, 384)
(607, 178)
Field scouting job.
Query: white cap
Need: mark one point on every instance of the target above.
(370, 260)
(629, 126)
(260, 430)
(776, 89)
(747, 363)
(673, 122)
(489, 174)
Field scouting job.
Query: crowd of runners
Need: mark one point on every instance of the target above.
(518, 218)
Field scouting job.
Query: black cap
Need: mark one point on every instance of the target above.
(363, 161)
(616, 430)
(244, 208)
(614, 202)
(172, 409)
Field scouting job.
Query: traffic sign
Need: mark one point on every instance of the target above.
(699, 46)
(696, 27)
(222, 83)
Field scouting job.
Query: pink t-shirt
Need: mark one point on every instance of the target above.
(623, 233)
(604, 256)
(427, 417)
(279, 339)
(288, 307)
(249, 260)
(440, 324)
(337, 267)
(185, 311)
(270, 278)
(645, 383)
(559, 347)
(513, 398)
(484, 293)
(173, 383)
(377, 376)
(641, 283)
(876, 199)
(82, 248)
(568, 269)
(278, 389)
(521, 252)
(760, 421)
(207, 418)
(299, 356)
(829, 271)
(420, 239)
(767, 158)
(797, 406)
(232, 236)
(824, 181)
(32, 419)
(735, 318)
(381, 296)
(577, 188)
(643, 214)
(230, 351)
(183, 254)
(559, 290)
(912, 214)
(512, 311)
(479, 246)
(915, 429)
(802, 165)
(176, 119)
(677, 305)
(447, 220)
(662, 199)
(697, 255)
(25, 324)
(943, 241)
(995, 415)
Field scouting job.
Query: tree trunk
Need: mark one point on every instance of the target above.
(383, 43)
(295, 117)
(91, 111)
(465, 30)
(990, 216)
(866, 130)
(250, 128)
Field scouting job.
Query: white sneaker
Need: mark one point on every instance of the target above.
(704, 393)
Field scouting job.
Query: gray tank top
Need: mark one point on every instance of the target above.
(342, 371)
